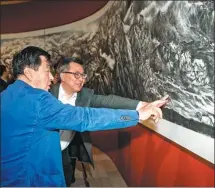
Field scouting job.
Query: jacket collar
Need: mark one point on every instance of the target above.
(83, 97)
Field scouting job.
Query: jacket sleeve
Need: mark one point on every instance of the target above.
(113, 101)
(53, 114)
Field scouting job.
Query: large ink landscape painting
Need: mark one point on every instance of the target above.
(145, 50)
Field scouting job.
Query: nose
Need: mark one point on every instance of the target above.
(51, 76)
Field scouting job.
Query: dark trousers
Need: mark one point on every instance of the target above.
(68, 167)
(69, 156)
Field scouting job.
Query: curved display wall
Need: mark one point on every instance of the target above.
(146, 159)
(144, 50)
(24, 16)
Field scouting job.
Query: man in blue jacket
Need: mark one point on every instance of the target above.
(31, 118)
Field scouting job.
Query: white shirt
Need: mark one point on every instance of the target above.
(65, 135)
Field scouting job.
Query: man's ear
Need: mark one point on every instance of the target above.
(28, 72)
(61, 77)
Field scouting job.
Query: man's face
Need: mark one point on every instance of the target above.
(42, 77)
(70, 80)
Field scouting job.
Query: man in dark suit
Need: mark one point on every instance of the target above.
(70, 90)
(4, 74)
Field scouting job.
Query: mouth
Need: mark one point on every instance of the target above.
(49, 86)
(79, 85)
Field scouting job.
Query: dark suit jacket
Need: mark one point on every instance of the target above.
(3, 85)
(87, 98)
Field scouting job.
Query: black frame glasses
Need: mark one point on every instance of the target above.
(77, 75)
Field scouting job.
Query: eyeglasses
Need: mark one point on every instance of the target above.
(77, 75)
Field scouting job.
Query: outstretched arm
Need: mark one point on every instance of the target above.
(113, 101)
(55, 115)
(117, 102)
(52, 114)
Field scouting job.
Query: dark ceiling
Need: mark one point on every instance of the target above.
(35, 15)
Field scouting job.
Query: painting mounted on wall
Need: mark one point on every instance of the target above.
(143, 50)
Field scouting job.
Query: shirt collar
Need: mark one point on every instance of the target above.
(63, 94)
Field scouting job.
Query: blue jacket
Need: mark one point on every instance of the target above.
(30, 141)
